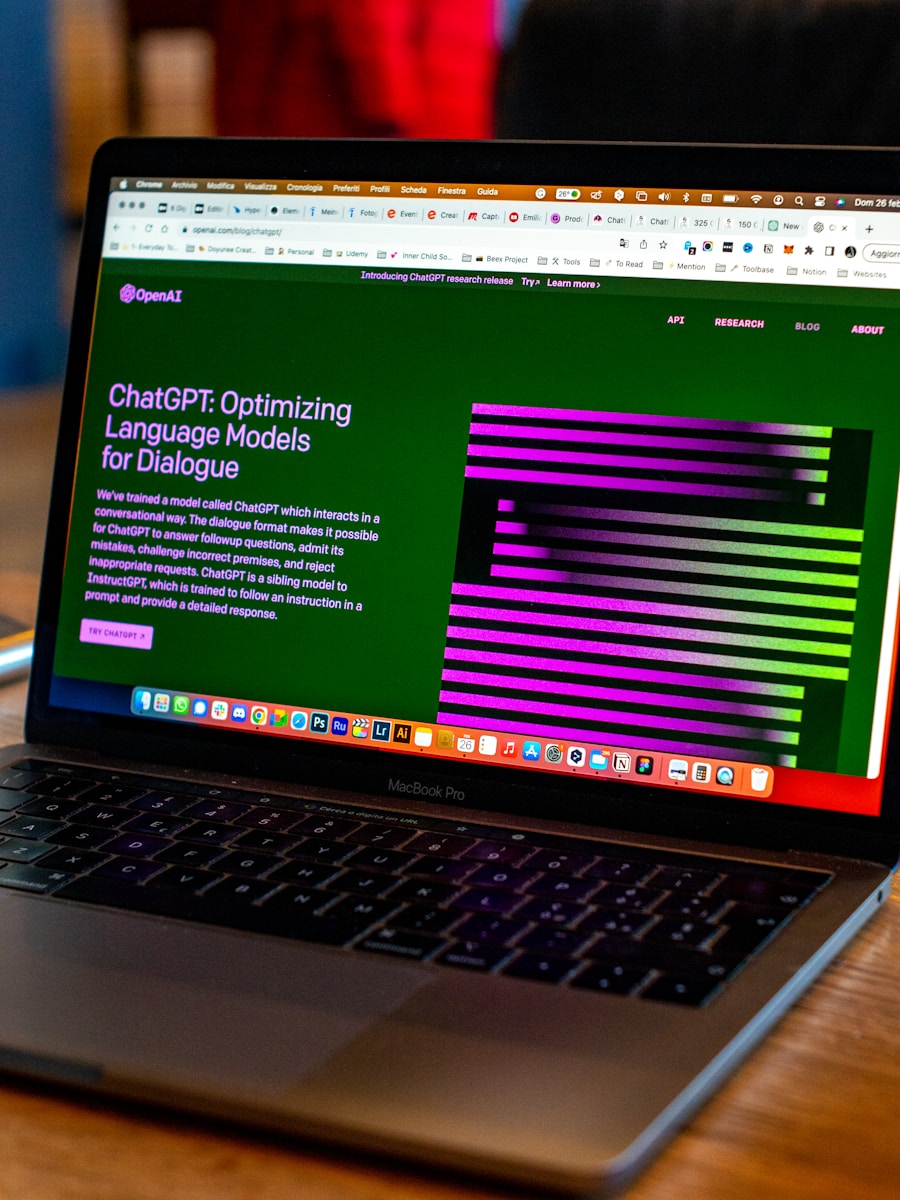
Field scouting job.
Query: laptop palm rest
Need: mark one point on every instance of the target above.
(183, 1003)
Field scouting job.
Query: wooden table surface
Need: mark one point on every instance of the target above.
(813, 1115)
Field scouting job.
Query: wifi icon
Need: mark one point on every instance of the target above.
(756, 199)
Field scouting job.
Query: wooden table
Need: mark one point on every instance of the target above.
(812, 1116)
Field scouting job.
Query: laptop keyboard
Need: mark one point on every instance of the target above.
(598, 916)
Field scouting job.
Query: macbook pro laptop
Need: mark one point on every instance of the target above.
(461, 720)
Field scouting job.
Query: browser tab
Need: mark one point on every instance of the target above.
(405, 214)
(325, 211)
(570, 219)
(532, 216)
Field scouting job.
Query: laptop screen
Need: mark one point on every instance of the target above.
(592, 479)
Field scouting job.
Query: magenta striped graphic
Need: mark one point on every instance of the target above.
(710, 640)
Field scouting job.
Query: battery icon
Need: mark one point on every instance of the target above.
(729, 198)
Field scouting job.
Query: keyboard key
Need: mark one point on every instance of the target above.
(11, 800)
(401, 943)
(680, 989)
(699, 908)
(651, 956)
(621, 870)
(373, 858)
(160, 826)
(26, 878)
(425, 918)
(424, 891)
(208, 832)
(683, 879)
(748, 932)
(48, 806)
(551, 939)
(448, 844)
(137, 845)
(548, 968)
(128, 870)
(551, 912)
(262, 839)
(615, 921)
(242, 862)
(486, 900)
(446, 869)
(634, 899)
(81, 837)
(381, 835)
(60, 785)
(473, 955)
(356, 908)
(609, 977)
(22, 849)
(325, 827)
(238, 889)
(30, 827)
(305, 874)
(508, 878)
(490, 929)
(111, 793)
(72, 861)
(222, 810)
(185, 879)
(267, 818)
(314, 850)
(185, 854)
(363, 883)
(564, 861)
(103, 816)
(754, 916)
(671, 931)
(769, 892)
(563, 887)
(499, 852)
(162, 802)
(300, 899)
(18, 778)
(210, 791)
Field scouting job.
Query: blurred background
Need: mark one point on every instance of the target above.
(75, 72)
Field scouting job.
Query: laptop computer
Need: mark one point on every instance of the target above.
(461, 714)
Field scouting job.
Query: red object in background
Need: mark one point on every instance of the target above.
(355, 68)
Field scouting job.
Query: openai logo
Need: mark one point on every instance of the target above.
(129, 292)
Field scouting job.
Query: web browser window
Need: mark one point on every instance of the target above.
(568, 478)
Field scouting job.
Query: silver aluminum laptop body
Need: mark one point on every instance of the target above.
(470, 1070)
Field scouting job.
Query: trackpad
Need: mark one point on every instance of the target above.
(189, 1005)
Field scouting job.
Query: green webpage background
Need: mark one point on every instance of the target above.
(412, 359)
